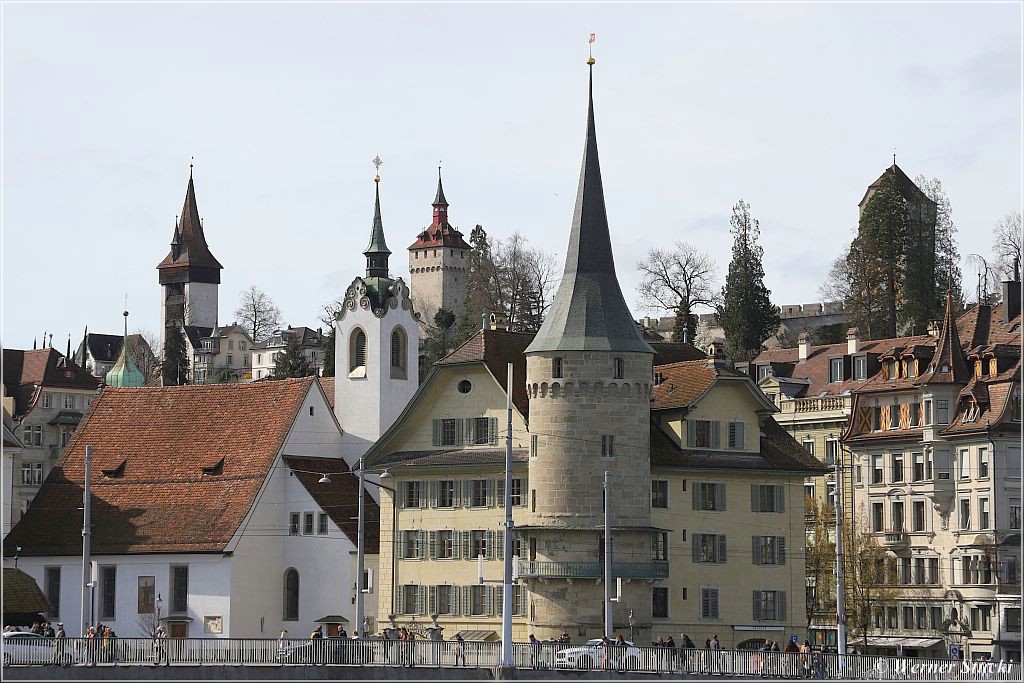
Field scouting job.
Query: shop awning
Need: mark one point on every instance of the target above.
(893, 641)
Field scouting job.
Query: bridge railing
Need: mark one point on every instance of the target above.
(450, 653)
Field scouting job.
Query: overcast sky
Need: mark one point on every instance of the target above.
(795, 108)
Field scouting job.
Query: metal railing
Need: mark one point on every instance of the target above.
(450, 653)
(588, 570)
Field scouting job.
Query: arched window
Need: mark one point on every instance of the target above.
(357, 354)
(556, 367)
(617, 368)
(398, 351)
(291, 594)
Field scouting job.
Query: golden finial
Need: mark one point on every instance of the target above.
(591, 60)
(377, 163)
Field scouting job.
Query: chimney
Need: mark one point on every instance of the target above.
(1011, 300)
(484, 318)
(498, 322)
(804, 345)
(934, 328)
(852, 340)
(716, 356)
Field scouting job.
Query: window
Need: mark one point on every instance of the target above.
(809, 490)
(980, 617)
(607, 445)
(52, 586)
(894, 416)
(445, 549)
(769, 549)
(108, 592)
(703, 433)
(769, 605)
(908, 616)
(876, 469)
(831, 451)
(477, 544)
(919, 571)
(659, 601)
(147, 595)
(478, 493)
(897, 517)
(230, 360)
(69, 401)
(859, 477)
(516, 494)
(556, 368)
(983, 519)
(891, 617)
(919, 515)
(464, 386)
(357, 354)
(927, 411)
(179, 589)
(445, 493)
(708, 496)
(413, 494)
(65, 435)
(965, 513)
(942, 412)
(478, 600)
(736, 440)
(1013, 619)
(860, 367)
(443, 600)
(983, 461)
(448, 431)
(809, 446)
(37, 473)
(617, 368)
(917, 473)
(291, 595)
(482, 430)
(37, 436)
(47, 399)
(533, 445)
(767, 498)
(763, 371)
(659, 547)
(307, 523)
(259, 358)
(935, 615)
(398, 353)
(241, 345)
(708, 603)
(709, 548)
(877, 517)
(321, 523)
(411, 545)
(1015, 513)
(659, 493)
(897, 467)
(835, 370)
(26, 474)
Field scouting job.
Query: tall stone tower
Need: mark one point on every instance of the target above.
(189, 274)
(589, 378)
(438, 264)
(376, 355)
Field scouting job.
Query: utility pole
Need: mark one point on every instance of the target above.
(361, 552)
(607, 556)
(507, 659)
(840, 574)
(86, 545)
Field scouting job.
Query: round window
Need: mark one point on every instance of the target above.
(465, 386)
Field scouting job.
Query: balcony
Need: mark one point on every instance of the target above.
(815, 405)
(592, 570)
(896, 538)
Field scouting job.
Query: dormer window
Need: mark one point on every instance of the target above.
(993, 366)
(556, 368)
(617, 369)
(763, 371)
(835, 370)
(860, 367)
(911, 367)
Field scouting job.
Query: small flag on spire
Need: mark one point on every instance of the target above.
(593, 38)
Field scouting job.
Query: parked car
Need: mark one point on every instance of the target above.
(592, 656)
(23, 647)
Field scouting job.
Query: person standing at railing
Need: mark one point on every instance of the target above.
(460, 650)
(534, 652)
(716, 653)
(158, 645)
(58, 645)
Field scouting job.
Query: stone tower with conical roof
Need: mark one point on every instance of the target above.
(589, 378)
(438, 264)
(125, 372)
(189, 274)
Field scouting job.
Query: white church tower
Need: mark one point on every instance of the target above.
(376, 359)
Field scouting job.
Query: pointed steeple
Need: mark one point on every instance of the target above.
(948, 364)
(125, 372)
(440, 204)
(377, 251)
(192, 250)
(439, 199)
(589, 311)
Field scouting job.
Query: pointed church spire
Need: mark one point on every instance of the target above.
(191, 249)
(589, 311)
(377, 251)
(439, 199)
(948, 362)
(440, 204)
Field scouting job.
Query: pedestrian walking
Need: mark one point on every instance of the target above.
(48, 631)
(534, 652)
(670, 645)
(58, 645)
(716, 654)
(460, 650)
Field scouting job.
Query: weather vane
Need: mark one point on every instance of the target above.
(590, 47)
(377, 163)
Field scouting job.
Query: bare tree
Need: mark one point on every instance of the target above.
(257, 313)
(1006, 245)
(144, 346)
(677, 279)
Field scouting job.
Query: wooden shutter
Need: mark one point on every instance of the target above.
(437, 433)
(421, 599)
(499, 549)
(400, 598)
(714, 603)
(780, 499)
(467, 600)
(489, 540)
(492, 424)
(696, 495)
(755, 498)
(488, 600)
(456, 546)
(780, 605)
(422, 544)
(721, 547)
(696, 547)
(884, 420)
(432, 600)
(467, 493)
(470, 430)
(780, 545)
(740, 436)
(400, 544)
(499, 485)
(757, 606)
(459, 433)
(432, 493)
(457, 493)
(489, 490)
(719, 496)
(691, 434)
(756, 549)
(716, 434)
(403, 493)
(499, 600)
(432, 551)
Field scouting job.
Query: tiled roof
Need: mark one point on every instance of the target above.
(451, 458)
(947, 363)
(22, 595)
(309, 337)
(10, 440)
(682, 383)
(440, 236)
(26, 371)
(328, 386)
(675, 352)
(162, 501)
(496, 349)
(993, 398)
(339, 498)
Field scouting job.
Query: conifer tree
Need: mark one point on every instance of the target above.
(328, 369)
(746, 312)
(292, 362)
(175, 366)
(439, 340)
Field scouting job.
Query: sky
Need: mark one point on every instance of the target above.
(795, 108)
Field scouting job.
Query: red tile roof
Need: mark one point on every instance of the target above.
(496, 349)
(328, 386)
(440, 236)
(26, 371)
(162, 501)
(682, 383)
(339, 498)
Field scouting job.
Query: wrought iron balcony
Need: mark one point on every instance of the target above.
(593, 570)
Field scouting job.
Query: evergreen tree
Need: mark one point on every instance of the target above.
(880, 245)
(328, 369)
(746, 312)
(947, 255)
(478, 278)
(292, 362)
(439, 340)
(175, 366)
(685, 327)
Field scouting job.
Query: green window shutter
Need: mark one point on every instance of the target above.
(500, 487)
(421, 599)
(500, 545)
(459, 440)
(489, 600)
(456, 546)
(490, 545)
(422, 544)
(719, 496)
(467, 600)
(696, 547)
(721, 548)
(757, 606)
(780, 543)
(465, 545)
(780, 499)
(432, 600)
(403, 488)
(469, 430)
(714, 603)
(432, 554)
(715, 434)
(696, 495)
(400, 598)
(499, 600)
(467, 492)
(780, 603)
(691, 433)
(755, 499)
(437, 433)
(400, 544)
(457, 493)
(433, 494)
(493, 425)
(756, 550)
(740, 437)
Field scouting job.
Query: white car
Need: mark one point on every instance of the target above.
(23, 647)
(592, 656)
